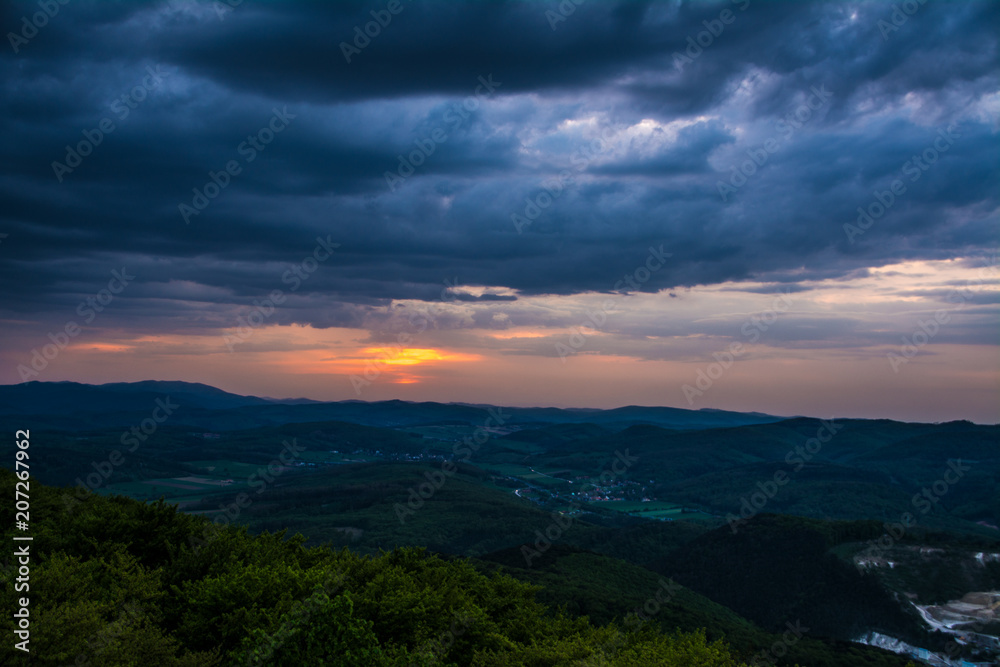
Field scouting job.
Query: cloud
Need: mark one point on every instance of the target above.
(645, 139)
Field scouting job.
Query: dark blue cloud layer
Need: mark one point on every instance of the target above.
(219, 78)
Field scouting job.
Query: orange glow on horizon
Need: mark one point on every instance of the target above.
(396, 365)
(101, 347)
(411, 356)
(519, 334)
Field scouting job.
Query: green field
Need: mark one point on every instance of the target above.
(226, 469)
(637, 506)
(541, 477)
(173, 489)
(189, 488)
(651, 510)
(319, 456)
(442, 437)
(658, 509)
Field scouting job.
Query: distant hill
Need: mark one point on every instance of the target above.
(70, 404)
(76, 398)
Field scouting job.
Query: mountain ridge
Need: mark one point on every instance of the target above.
(118, 402)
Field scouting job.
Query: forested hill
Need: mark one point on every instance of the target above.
(113, 581)
(71, 405)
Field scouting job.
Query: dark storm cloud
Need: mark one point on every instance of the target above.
(672, 130)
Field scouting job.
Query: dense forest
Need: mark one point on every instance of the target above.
(114, 581)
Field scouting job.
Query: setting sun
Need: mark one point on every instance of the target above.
(412, 356)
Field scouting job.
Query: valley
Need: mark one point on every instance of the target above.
(840, 544)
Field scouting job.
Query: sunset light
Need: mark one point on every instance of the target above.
(413, 356)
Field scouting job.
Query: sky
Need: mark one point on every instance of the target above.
(783, 207)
